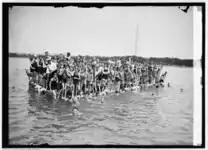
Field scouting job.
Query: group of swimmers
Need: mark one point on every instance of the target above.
(71, 78)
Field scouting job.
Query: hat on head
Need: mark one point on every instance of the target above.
(68, 53)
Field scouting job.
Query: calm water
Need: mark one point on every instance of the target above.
(130, 118)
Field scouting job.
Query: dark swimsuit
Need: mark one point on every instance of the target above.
(134, 70)
(117, 77)
(83, 77)
(64, 76)
(54, 84)
(105, 76)
(93, 73)
(162, 80)
(41, 69)
(99, 76)
(75, 78)
(35, 67)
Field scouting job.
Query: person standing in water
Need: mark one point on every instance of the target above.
(34, 68)
(162, 78)
(51, 69)
(76, 80)
(53, 85)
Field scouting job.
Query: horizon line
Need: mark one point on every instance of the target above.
(103, 55)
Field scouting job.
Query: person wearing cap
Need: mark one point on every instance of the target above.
(46, 57)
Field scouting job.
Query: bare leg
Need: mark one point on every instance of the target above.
(94, 89)
(54, 94)
(85, 88)
(47, 80)
(63, 91)
(72, 88)
(98, 87)
(65, 87)
(90, 88)
(75, 90)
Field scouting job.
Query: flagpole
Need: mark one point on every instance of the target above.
(135, 51)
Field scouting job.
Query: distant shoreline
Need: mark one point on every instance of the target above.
(165, 60)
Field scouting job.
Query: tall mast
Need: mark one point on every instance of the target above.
(135, 51)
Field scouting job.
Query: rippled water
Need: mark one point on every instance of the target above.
(130, 118)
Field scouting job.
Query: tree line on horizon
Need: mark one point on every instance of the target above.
(164, 60)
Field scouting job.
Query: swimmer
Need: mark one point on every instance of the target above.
(117, 94)
(71, 100)
(122, 91)
(33, 83)
(82, 96)
(41, 90)
(78, 97)
(148, 85)
(181, 90)
(102, 100)
(127, 89)
(65, 98)
(168, 84)
(103, 93)
(157, 85)
(75, 101)
(133, 88)
(90, 96)
(138, 87)
(75, 112)
(38, 88)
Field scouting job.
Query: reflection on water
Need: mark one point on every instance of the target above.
(162, 116)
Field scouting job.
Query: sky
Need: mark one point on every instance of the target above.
(110, 31)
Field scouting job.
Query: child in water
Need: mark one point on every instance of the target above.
(75, 111)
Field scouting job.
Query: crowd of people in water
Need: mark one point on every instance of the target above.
(71, 78)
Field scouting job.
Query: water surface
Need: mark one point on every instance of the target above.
(130, 118)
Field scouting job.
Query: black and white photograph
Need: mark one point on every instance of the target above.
(112, 75)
